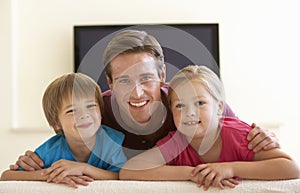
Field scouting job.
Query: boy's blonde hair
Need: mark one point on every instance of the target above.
(200, 73)
(75, 85)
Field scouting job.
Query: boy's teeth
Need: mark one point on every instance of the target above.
(138, 104)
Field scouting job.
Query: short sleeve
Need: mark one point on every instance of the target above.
(171, 146)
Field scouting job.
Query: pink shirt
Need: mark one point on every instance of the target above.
(134, 143)
(177, 151)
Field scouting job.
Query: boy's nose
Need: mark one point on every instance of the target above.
(83, 115)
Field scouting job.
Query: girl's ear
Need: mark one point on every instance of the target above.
(221, 105)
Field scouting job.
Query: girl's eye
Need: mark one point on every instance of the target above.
(200, 103)
(179, 106)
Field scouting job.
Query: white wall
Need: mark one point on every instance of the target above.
(258, 52)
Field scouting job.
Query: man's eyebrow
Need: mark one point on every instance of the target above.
(123, 76)
(149, 73)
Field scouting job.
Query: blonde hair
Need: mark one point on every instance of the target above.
(70, 85)
(200, 73)
(132, 41)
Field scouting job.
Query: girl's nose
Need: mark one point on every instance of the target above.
(191, 112)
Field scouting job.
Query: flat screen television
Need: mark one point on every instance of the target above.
(182, 44)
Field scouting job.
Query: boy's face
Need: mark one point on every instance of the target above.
(195, 111)
(136, 85)
(80, 118)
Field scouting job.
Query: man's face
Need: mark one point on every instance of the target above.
(136, 84)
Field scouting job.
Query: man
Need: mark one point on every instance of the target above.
(136, 103)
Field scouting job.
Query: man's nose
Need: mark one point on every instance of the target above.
(138, 90)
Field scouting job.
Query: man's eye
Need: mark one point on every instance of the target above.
(124, 81)
(146, 78)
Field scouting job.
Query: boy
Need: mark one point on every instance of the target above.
(82, 148)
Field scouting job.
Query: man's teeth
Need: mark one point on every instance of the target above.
(138, 104)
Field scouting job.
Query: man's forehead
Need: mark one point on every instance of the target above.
(136, 69)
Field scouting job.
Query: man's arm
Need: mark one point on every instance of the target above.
(29, 162)
(260, 139)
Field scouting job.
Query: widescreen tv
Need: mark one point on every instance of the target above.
(183, 44)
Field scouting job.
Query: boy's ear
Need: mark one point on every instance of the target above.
(57, 129)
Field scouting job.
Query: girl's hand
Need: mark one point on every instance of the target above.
(214, 174)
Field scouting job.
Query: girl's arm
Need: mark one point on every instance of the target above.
(150, 165)
(23, 175)
(267, 165)
(62, 168)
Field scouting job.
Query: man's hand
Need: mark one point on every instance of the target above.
(29, 162)
(262, 139)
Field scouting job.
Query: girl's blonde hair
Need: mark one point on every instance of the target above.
(200, 73)
(74, 85)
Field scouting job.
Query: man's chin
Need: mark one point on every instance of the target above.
(140, 117)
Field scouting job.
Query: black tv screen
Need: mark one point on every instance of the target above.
(182, 44)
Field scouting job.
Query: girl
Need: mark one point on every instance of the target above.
(207, 148)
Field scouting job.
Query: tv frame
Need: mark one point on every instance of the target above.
(88, 37)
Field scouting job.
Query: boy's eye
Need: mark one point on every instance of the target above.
(70, 111)
(91, 106)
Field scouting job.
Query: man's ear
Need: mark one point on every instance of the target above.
(221, 106)
(163, 74)
(110, 83)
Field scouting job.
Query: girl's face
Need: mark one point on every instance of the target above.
(80, 118)
(195, 111)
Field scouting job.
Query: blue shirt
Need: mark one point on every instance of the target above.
(107, 153)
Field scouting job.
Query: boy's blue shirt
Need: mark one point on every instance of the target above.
(107, 153)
